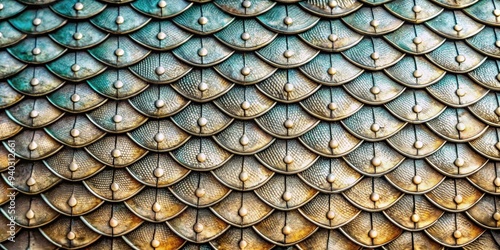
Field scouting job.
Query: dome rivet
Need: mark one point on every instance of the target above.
(119, 20)
(287, 20)
(417, 180)
(201, 157)
(203, 20)
(78, 6)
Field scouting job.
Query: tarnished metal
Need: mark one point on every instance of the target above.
(250, 124)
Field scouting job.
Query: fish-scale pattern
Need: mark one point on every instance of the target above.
(226, 124)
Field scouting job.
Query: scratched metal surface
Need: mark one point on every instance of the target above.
(251, 124)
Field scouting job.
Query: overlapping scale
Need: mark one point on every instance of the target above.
(250, 124)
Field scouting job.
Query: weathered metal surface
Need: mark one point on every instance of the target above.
(250, 124)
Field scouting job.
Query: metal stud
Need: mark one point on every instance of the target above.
(457, 234)
(156, 207)
(198, 227)
(160, 70)
(245, 71)
(117, 118)
(246, 4)
(332, 4)
(415, 218)
(119, 20)
(417, 40)
(288, 124)
(34, 82)
(497, 145)
(374, 197)
(1, 6)
(245, 36)
(497, 43)
(497, 111)
(286, 230)
(114, 187)
(74, 132)
(113, 223)
(159, 137)
(162, 4)
(417, 73)
(330, 215)
(161, 36)
(245, 105)
(333, 38)
(78, 6)
(36, 51)
(417, 108)
(288, 53)
(118, 84)
(202, 121)
(243, 211)
(34, 114)
(289, 87)
(77, 36)
(203, 86)
(71, 235)
(373, 233)
(375, 127)
(202, 52)
(376, 161)
(333, 144)
(37, 21)
(287, 196)
(460, 58)
(375, 23)
(31, 181)
(496, 216)
(199, 192)
(242, 244)
(459, 162)
(332, 106)
(332, 71)
(116, 153)
(418, 144)
(158, 172)
(119, 52)
(460, 92)
(458, 28)
(155, 243)
(288, 159)
(201, 157)
(159, 103)
(417, 9)
(496, 182)
(243, 176)
(287, 20)
(330, 178)
(73, 166)
(244, 140)
(498, 77)
(375, 90)
(496, 12)
(32, 146)
(72, 202)
(75, 98)
(417, 180)
(75, 67)
(375, 55)
(202, 20)
(30, 214)
(458, 199)
(460, 126)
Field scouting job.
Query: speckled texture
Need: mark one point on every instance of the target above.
(250, 124)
